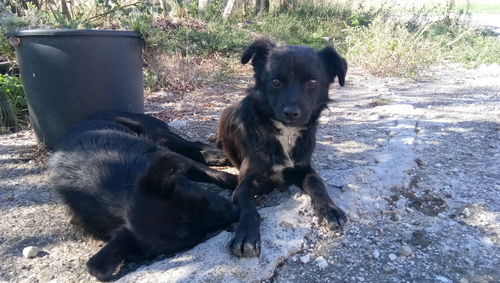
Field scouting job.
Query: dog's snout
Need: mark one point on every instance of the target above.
(291, 112)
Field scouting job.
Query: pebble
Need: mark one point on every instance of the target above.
(31, 251)
(286, 224)
(305, 258)
(463, 280)
(392, 256)
(321, 262)
(398, 217)
(466, 212)
(376, 254)
(178, 124)
(405, 251)
(421, 163)
(443, 279)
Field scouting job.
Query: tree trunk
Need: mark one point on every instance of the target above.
(202, 5)
(228, 9)
(65, 10)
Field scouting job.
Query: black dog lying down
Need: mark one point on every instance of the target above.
(270, 134)
(135, 194)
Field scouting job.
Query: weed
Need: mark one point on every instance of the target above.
(11, 86)
(386, 47)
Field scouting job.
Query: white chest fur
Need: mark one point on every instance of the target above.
(287, 137)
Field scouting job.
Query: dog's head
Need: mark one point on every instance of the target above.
(293, 81)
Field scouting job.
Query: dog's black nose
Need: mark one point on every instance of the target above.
(291, 112)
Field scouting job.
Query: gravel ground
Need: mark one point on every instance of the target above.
(415, 165)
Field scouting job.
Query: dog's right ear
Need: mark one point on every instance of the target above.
(162, 173)
(258, 52)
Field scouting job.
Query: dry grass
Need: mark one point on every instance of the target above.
(178, 73)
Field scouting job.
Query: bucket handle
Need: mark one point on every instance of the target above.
(14, 41)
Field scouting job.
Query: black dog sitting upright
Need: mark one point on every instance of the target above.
(125, 189)
(270, 134)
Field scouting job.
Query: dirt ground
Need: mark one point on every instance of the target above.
(414, 164)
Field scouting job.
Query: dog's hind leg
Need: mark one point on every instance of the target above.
(197, 151)
(159, 132)
(201, 173)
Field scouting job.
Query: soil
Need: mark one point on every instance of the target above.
(413, 162)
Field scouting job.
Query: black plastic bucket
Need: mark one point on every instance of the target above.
(70, 74)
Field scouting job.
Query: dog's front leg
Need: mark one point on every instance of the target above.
(246, 241)
(323, 205)
(121, 247)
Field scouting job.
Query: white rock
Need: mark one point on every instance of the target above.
(178, 124)
(463, 280)
(392, 256)
(405, 251)
(31, 251)
(321, 262)
(305, 258)
(443, 279)
(376, 254)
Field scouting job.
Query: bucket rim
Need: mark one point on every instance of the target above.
(72, 32)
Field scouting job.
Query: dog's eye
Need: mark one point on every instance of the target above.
(276, 83)
(311, 83)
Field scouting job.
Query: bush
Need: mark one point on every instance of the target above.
(387, 47)
(12, 88)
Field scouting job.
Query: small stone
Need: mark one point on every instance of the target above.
(398, 217)
(305, 258)
(178, 124)
(31, 251)
(463, 280)
(287, 224)
(421, 163)
(361, 279)
(438, 165)
(466, 212)
(321, 262)
(443, 279)
(392, 257)
(405, 251)
(376, 254)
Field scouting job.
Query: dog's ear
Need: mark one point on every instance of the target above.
(258, 52)
(335, 65)
(162, 173)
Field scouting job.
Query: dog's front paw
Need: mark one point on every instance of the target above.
(245, 244)
(334, 217)
(99, 267)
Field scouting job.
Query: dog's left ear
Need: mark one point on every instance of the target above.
(335, 65)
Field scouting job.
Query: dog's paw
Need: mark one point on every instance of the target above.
(214, 156)
(100, 269)
(245, 245)
(228, 181)
(334, 217)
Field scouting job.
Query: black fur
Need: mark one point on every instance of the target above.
(158, 131)
(133, 193)
(270, 134)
